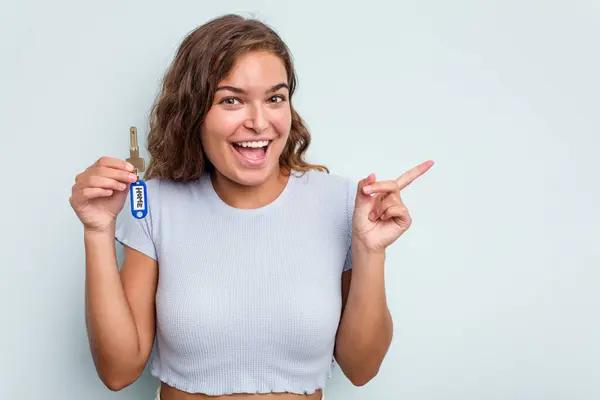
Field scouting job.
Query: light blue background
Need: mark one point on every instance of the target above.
(495, 290)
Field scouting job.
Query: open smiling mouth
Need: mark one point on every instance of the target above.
(253, 152)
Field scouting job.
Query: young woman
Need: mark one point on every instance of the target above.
(254, 270)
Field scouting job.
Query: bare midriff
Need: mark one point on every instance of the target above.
(170, 393)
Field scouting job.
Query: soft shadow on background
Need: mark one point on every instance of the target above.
(495, 290)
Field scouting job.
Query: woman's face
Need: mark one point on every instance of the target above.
(248, 124)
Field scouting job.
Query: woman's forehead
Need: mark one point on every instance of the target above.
(258, 70)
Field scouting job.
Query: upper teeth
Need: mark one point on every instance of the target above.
(262, 143)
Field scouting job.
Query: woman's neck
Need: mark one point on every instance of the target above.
(249, 197)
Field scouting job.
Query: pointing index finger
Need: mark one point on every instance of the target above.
(409, 176)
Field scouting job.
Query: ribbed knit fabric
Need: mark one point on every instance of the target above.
(248, 301)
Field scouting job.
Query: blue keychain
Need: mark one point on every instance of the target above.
(137, 191)
(139, 199)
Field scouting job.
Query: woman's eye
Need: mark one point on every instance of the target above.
(231, 101)
(276, 99)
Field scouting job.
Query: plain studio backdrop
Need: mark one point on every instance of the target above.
(495, 290)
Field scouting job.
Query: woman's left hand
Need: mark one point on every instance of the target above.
(380, 216)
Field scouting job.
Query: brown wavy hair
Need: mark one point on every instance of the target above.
(205, 57)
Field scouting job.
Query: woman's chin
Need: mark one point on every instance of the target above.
(254, 177)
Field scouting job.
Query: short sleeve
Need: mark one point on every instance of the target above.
(137, 233)
(351, 188)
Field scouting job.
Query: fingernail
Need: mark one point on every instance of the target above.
(132, 177)
(129, 166)
(372, 216)
(367, 189)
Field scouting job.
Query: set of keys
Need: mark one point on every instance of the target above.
(137, 191)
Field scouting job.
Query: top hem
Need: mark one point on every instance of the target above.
(203, 389)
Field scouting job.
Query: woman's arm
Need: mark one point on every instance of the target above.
(119, 309)
(380, 217)
(365, 331)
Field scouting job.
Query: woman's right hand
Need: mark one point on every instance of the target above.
(99, 193)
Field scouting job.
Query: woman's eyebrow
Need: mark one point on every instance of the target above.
(277, 87)
(231, 89)
(242, 91)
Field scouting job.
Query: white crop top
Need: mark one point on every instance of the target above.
(248, 301)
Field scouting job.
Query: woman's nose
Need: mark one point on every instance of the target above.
(257, 120)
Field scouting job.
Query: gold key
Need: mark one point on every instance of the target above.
(134, 152)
